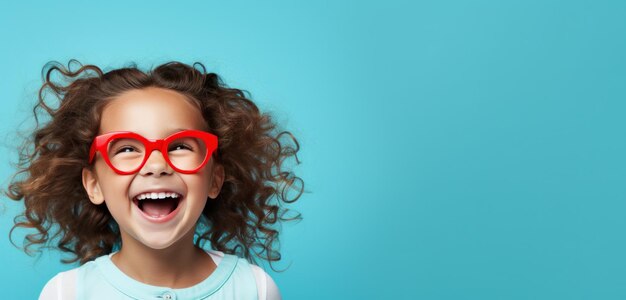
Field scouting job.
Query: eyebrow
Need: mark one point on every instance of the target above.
(170, 132)
(176, 130)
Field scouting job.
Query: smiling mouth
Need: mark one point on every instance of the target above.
(157, 204)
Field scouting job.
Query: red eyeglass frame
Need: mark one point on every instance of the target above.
(101, 142)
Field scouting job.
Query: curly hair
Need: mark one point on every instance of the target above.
(244, 218)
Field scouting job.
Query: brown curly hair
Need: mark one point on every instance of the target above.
(243, 220)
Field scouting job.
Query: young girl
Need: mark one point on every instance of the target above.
(134, 171)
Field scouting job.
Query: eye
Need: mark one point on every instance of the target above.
(125, 149)
(180, 146)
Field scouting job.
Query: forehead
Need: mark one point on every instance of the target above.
(151, 112)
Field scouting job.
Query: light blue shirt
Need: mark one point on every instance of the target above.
(102, 279)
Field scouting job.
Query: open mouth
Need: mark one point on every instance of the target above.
(157, 204)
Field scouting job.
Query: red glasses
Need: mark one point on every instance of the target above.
(126, 152)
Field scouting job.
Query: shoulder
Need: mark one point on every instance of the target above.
(61, 286)
(64, 284)
(265, 284)
(266, 287)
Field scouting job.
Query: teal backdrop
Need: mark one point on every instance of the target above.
(450, 149)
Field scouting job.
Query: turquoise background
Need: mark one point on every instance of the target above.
(450, 149)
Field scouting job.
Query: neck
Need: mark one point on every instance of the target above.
(179, 266)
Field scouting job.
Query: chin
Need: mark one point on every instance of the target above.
(158, 246)
(158, 242)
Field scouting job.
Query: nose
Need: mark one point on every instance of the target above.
(156, 165)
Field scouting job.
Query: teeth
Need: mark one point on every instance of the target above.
(154, 195)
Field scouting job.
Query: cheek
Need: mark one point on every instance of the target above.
(199, 186)
(114, 187)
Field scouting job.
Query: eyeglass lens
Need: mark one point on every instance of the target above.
(185, 153)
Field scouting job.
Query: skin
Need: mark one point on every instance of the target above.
(155, 254)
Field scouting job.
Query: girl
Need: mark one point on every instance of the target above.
(134, 171)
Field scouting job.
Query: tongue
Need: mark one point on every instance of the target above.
(158, 208)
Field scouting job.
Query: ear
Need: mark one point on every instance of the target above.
(217, 181)
(90, 183)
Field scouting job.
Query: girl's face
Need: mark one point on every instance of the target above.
(154, 113)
